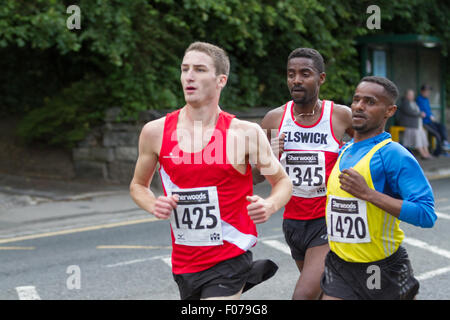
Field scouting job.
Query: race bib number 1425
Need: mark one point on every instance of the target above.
(196, 220)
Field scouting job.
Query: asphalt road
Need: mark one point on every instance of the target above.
(126, 255)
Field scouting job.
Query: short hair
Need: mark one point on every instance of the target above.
(309, 53)
(425, 87)
(218, 55)
(389, 87)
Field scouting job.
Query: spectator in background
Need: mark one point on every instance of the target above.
(429, 122)
(410, 117)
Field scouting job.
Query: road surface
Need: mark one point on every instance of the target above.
(106, 248)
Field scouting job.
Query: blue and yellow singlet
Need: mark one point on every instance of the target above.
(359, 231)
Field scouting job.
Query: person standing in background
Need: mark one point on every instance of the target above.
(410, 117)
(435, 128)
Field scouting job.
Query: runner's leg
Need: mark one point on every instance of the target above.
(325, 297)
(299, 264)
(308, 285)
(434, 132)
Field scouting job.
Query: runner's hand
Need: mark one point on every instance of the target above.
(354, 183)
(277, 145)
(164, 206)
(259, 209)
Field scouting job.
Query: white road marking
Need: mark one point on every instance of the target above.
(433, 273)
(27, 293)
(411, 241)
(125, 263)
(168, 261)
(439, 251)
(167, 258)
(278, 245)
(442, 215)
(131, 247)
(423, 245)
(281, 246)
(439, 200)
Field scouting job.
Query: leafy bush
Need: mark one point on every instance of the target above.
(128, 53)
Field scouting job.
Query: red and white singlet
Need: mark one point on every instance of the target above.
(211, 223)
(310, 153)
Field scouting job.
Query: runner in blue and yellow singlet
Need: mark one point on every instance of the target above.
(375, 184)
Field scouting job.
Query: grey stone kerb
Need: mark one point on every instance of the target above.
(109, 152)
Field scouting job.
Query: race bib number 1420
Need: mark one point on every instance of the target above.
(347, 220)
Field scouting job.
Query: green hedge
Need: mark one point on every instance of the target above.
(127, 53)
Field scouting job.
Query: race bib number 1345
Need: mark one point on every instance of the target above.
(307, 172)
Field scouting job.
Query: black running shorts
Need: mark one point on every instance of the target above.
(225, 278)
(301, 235)
(388, 279)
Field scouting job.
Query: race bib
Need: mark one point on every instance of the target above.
(347, 220)
(306, 169)
(196, 220)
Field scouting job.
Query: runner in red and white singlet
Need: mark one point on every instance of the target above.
(310, 153)
(306, 134)
(211, 221)
(204, 155)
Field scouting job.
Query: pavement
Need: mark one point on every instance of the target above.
(37, 205)
(56, 190)
(436, 168)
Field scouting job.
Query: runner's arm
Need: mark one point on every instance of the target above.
(261, 209)
(355, 184)
(405, 178)
(343, 121)
(145, 168)
(269, 125)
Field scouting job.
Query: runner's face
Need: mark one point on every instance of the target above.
(198, 78)
(370, 108)
(303, 80)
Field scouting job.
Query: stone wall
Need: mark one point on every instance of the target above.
(109, 153)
